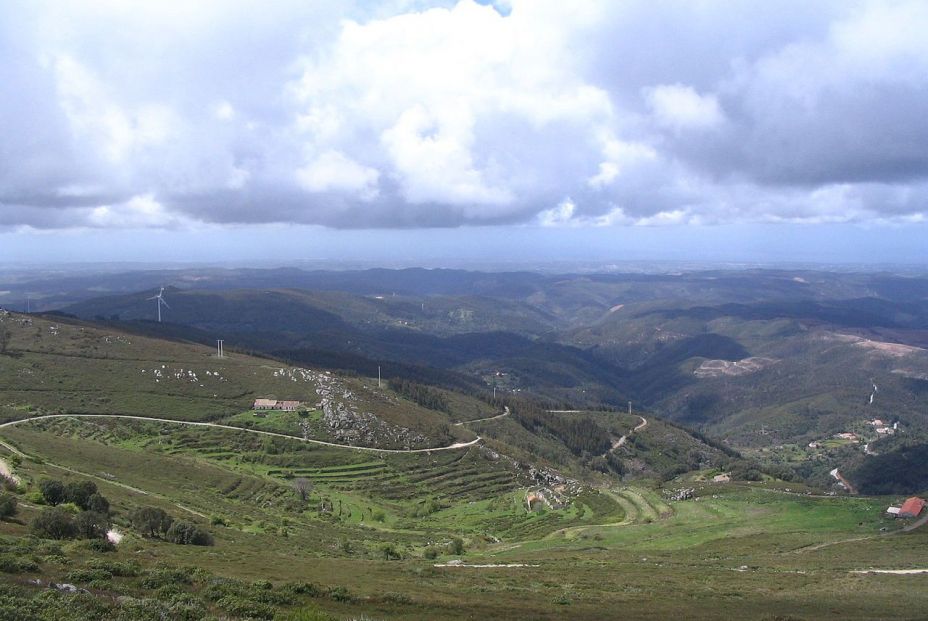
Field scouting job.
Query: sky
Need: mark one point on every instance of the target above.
(520, 129)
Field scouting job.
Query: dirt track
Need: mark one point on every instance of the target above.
(450, 447)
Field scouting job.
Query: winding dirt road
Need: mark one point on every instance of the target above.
(480, 420)
(639, 427)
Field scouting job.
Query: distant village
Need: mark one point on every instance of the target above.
(880, 427)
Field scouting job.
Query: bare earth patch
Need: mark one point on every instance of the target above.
(746, 366)
(893, 350)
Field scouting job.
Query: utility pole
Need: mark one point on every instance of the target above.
(629, 407)
(219, 351)
(378, 376)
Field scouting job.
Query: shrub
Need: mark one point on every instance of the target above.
(52, 491)
(87, 574)
(339, 594)
(303, 588)
(241, 607)
(430, 553)
(100, 545)
(123, 569)
(80, 492)
(98, 504)
(54, 523)
(456, 547)
(17, 565)
(151, 521)
(8, 483)
(187, 533)
(165, 576)
(91, 525)
(7, 506)
(389, 552)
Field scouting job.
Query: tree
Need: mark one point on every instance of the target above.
(91, 525)
(187, 533)
(79, 492)
(54, 523)
(303, 487)
(7, 505)
(98, 504)
(456, 547)
(151, 521)
(52, 491)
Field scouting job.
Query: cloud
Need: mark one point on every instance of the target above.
(332, 171)
(421, 114)
(680, 107)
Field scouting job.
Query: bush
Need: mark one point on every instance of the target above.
(389, 553)
(54, 523)
(88, 575)
(123, 569)
(187, 533)
(98, 504)
(151, 521)
(7, 506)
(80, 492)
(52, 491)
(165, 576)
(241, 607)
(430, 554)
(340, 594)
(17, 565)
(91, 525)
(456, 547)
(303, 588)
(100, 545)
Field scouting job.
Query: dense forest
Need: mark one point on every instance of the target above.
(581, 435)
(423, 395)
(904, 471)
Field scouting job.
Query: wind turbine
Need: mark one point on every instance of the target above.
(160, 298)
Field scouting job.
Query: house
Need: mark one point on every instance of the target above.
(274, 404)
(847, 436)
(725, 477)
(876, 422)
(912, 507)
(893, 512)
(887, 431)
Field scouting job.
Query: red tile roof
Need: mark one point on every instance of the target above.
(912, 507)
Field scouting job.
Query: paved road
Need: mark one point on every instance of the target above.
(451, 447)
